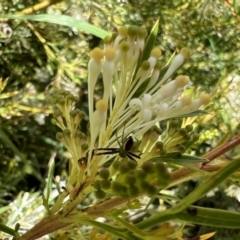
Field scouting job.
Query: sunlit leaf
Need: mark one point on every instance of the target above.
(10, 144)
(3, 83)
(51, 166)
(62, 20)
(150, 42)
(180, 160)
(162, 232)
(193, 114)
(206, 236)
(4, 209)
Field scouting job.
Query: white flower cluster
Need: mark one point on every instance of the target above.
(165, 103)
(123, 74)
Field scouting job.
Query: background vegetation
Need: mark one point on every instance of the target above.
(35, 56)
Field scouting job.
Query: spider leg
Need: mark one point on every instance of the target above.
(106, 152)
(130, 157)
(106, 149)
(133, 155)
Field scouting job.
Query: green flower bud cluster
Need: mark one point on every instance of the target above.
(103, 184)
(65, 116)
(131, 180)
(177, 139)
(173, 140)
(68, 119)
(131, 31)
(149, 138)
(62, 97)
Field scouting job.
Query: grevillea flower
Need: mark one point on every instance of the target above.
(136, 94)
(118, 155)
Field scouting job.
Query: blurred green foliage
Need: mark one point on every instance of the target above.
(35, 56)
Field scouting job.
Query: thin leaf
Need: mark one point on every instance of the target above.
(4, 209)
(180, 160)
(62, 20)
(193, 114)
(207, 236)
(10, 144)
(51, 167)
(210, 217)
(27, 167)
(3, 83)
(117, 231)
(150, 41)
(225, 137)
(10, 231)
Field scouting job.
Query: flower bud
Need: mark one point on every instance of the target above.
(133, 191)
(123, 31)
(59, 135)
(159, 145)
(116, 165)
(163, 152)
(97, 184)
(151, 190)
(124, 168)
(189, 128)
(148, 167)
(142, 32)
(107, 40)
(140, 174)
(116, 186)
(195, 137)
(104, 173)
(53, 121)
(84, 147)
(130, 178)
(66, 132)
(100, 194)
(183, 132)
(132, 31)
(105, 184)
(131, 164)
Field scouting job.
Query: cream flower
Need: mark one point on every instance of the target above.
(136, 94)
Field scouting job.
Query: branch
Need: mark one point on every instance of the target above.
(39, 6)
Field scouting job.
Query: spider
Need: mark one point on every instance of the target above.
(124, 150)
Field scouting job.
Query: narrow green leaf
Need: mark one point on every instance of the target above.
(211, 182)
(51, 166)
(62, 20)
(180, 160)
(27, 168)
(10, 144)
(150, 41)
(4, 209)
(210, 217)
(10, 231)
(193, 114)
(117, 231)
(224, 139)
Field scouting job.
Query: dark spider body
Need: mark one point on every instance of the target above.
(123, 151)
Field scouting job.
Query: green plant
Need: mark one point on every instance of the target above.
(132, 103)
